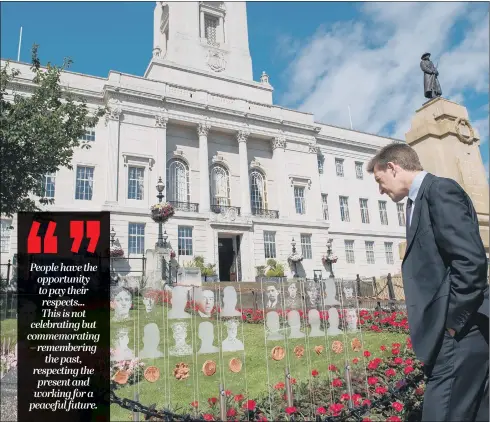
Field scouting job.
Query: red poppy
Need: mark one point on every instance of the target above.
(228, 393)
(336, 408)
(279, 386)
(250, 405)
(397, 406)
(383, 348)
(239, 397)
(355, 361)
(321, 411)
(393, 419)
(195, 404)
(366, 402)
(333, 368)
(314, 373)
(291, 410)
(372, 380)
(212, 401)
(344, 397)
(208, 417)
(395, 351)
(367, 353)
(390, 372)
(408, 369)
(337, 382)
(381, 390)
(366, 420)
(231, 412)
(356, 398)
(398, 361)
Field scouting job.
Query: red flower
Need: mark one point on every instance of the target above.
(344, 397)
(390, 372)
(238, 398)
(337, 382)
(355, 361)
(396, 345)
(291, 410)
(395, 351)
(333, 368)
(293, 381)
(383, 348)
(314, 373)
(321, 411)
(398, 361)
(381, 390)
(231, 412)
(397, 406)
(366, 402)
(366, 420)
(336, 408)
(367, 353)
(393, 419)
(212, 401)
(408, 361)
(227, 393)
(279, 386)
(250, 405)
(408, 369)
(372, 380)
(356, 398)
(262, 418)
(419, 391)
(208, 417)
(195, 404)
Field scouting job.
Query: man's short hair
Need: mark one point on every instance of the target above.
(401, 154)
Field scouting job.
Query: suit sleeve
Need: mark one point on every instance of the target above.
(457, 235)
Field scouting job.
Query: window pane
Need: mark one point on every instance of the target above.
(269, 245)
(299, 200)
(84, 183)
(349, 251)
(185, 240)
(306, 246)
(136, 238)
(136, 182)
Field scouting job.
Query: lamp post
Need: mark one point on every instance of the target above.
(160, 187)
(293, 246)
(112, 233)
(329, 257)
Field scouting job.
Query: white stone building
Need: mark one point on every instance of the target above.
(246, 176)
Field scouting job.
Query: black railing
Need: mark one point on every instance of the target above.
(185, 206)
(262, 212)
(218, 209)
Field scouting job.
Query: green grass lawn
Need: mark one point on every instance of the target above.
(259, 370)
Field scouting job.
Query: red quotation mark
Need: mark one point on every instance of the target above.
(77, 234)
(50, 240)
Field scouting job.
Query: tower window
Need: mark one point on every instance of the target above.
(210, 29)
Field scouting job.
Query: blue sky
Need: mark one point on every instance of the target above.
(321, 57)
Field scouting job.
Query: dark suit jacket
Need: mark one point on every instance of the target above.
(445, 266)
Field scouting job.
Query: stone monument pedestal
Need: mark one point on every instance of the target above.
(448, 146)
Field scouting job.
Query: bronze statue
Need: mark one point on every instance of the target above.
(432, 88)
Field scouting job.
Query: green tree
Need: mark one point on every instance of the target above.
(39, 132)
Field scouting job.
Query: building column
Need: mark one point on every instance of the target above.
(202, 131)
(278, 158)
(114, 111)
(316, 191)
(242, 137)
(161, 121)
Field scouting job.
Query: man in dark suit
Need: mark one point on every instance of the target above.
(445, 281)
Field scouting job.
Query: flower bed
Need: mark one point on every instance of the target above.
(326, 395)
(162, 212)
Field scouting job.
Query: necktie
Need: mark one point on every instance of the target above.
(408, 214)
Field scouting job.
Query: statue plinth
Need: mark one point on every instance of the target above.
(448, 146)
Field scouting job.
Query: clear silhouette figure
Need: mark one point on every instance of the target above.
(314, 320)
(294, 322)
(273, 326)
(333, 321)
(206, 334)
(181, 348)
(121, 349)
(151, 340)
(178, 300)
(231, 343)
(229, 302)
(329, 292)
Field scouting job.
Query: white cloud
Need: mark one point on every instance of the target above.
(372, 65)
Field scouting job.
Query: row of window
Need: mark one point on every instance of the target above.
(136, 239)
(363, 205)
(306, 250)
(339, 167)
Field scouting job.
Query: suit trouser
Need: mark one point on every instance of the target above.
(457, 382)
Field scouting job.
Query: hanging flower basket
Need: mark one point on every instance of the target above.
(116, 252)
(330, 259)
(172, 255)
(161, 213)
(295, 257)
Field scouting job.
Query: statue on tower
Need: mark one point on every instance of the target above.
(432, 88)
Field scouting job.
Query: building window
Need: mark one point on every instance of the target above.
(359, 173)
(349, 251)
(339, 167)
(89, 135)
(136, 182)
(269, 244)
(185, 240)
(85, 183)
(383, 215)
(401, 214)
(325, 206)
(178, 181)
(344, 208)
(211, 24)
(370, 252)
(363, 203)
(389, 252)
(306, 246)
(136, 238)
(257, 190)
(220, 186)
(320, 161)
(49, 185)
(5, 236)
(299, 199)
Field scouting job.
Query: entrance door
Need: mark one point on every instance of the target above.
(225, 257)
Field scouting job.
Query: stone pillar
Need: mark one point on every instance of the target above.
(202, 131)
(161, 121)
(242, 137)
(201, 24)
(112, 176)
(448, 146)
(157, 22)
(315, 201)
(278, 158)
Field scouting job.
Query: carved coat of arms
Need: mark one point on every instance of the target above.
(216, 61)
